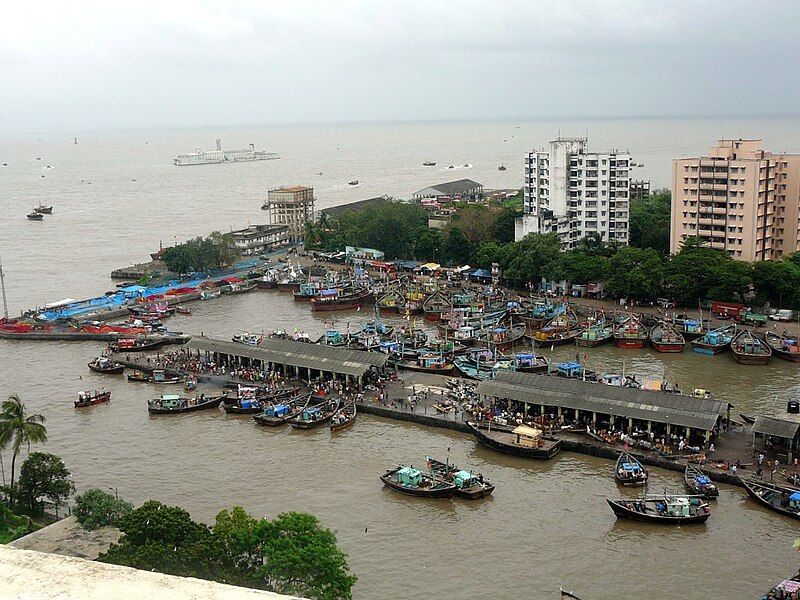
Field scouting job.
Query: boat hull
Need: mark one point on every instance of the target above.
(752, 491)
(668, 347)
(443, 492)
(629, 343)
(115, 370)
(750, 359)
(538, 453)
(213, 403)
(622, 512)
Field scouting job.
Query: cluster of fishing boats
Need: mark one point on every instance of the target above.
(442, 480)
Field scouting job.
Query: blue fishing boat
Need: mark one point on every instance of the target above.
(529, 362)
(715, 341)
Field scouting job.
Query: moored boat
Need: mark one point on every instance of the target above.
(413, 482)
(662, 509)
(629, 472)
(183, 310)
(596, 334)
(524, 441)
(312, 416)
(530, 362)
(715, 341)
(88, 398)
(468, 484)
(749, 349)
(783, 346)
(503, 337)
(335, 299)
(103, 364)
(665, 338)
(139, 344)
(699, 483)
(630, 333)
(428, 363)
(781, 499)
(43, 209)
(435, 305)
(169, 404)
(279, 413)
(344, 417)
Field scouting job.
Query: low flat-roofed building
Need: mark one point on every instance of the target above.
(258, 239)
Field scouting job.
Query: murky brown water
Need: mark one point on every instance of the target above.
(546, 526)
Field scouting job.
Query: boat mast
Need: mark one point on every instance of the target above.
(3, 290)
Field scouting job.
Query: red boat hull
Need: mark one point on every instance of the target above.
(629, 344)
(668, 347)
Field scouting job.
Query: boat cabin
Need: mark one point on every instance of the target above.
(169, 401)
(528, 437)
(332, 338)
(431, 361)
(692, 326)
(409, 476)
(570, 370)
(279, 410)
(159, 376)
(311, 413)
(629, 470)
(464, 333)
(675, 507)
(463, 479)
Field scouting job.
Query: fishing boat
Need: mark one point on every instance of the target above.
(307, 291)
(429, 163)
(595, 334)
(171, 404)
(561, 329)
(139, 376)
(190, 383)
(503, 337)
(239, 287)
(103, 364)
(413, 482)
(748, 419)
(333, 337)
(247, 338)
(43, 210)
(267, 282)
(279, 413)
(715, 341)
(391, 300)
(629, 472)
(435, 305)
(529, 362)
(344, 417)
(524, 441)
(313, 416)
(691, 329)
(662, 509)
(428, 363)
(87, 398)
(138, 344)
(183, 310)
(783, 346)
(160, 376)
(630, 333)
(699, 483)
(34, 216)
(501, 168)
(665, 338)
(210, 294)
(468, 484)
(782, 499)
(748, 349)
(354, 182)
(336, 299)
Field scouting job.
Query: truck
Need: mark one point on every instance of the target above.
(781, 315)
(727, 310)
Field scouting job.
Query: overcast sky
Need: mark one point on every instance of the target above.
(183, 63)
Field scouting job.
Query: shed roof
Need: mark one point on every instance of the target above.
(450, 188)
(775, 427)
(659, 407)
(298, 354)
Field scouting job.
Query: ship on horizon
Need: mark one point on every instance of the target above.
(219, 155)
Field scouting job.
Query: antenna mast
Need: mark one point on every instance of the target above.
(3, 290)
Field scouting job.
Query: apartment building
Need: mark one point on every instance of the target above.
(739, 198)
(573, 192)
(292, 206)
(260, 239)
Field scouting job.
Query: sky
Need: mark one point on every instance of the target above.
(193, 63)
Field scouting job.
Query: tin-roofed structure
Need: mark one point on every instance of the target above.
(776, 436)
(591, 402)
(462, 187)
(298, 358)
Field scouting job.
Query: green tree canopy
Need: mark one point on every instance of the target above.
(457, 249)
(95, 508)
(503, 227)
(19, 430)
(650, 222)
(696, 274)
(201, 254)
(43, 477)
(532, 257)
(635, 273)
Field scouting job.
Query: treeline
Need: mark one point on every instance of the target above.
(201, 254)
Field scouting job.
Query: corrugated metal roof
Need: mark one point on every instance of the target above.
(573, 394)
(775, 427)
(298, 354)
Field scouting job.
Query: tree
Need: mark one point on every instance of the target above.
(96, 508)
(456, 249)
(532, 257)
(292, 554)
(635, 273)
(492, 252)
(503, 228)
(650, 222)
(474, 221)
(429, 243)
(580, 267)
(778, 281)
(44, 476)
(697, 273)
(19, 429)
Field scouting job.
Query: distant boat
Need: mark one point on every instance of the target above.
(44, 210)
(451, 167)
(35, 216)
(429, 163)
(501, 168)
(354, 182)
(467, 165)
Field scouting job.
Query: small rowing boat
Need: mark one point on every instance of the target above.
(629, 472)
(699, 483)
(103, 364)
(312, 417)
(344, 417)
(781, 499)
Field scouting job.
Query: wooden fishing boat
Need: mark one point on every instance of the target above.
(307, 291)
(629, 472)
(782, 499)
(391, 300)
(699, 483)
(34, 216)
(335, 300)
(427, 363)
(503, 337)
(530, 362)
(715, 341)
(43, 210)
(183, 310)
(468, 485)
(91, 398)
(160, 376)
(139, 344)
(172, 404)
(561, 329)
(435, 305)
(288, 285)
(665, 338)
(413, 482)
(313, 416)
(783, 346)
(524, 441)
(239, 287)
(103, 364)
(279, 413)
(344, 417)
(595, 335)
(749, 349)
(139, 376)
(692, 329)
(662, 510)
(630, 333)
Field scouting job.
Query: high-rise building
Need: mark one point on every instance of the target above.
(740, 198)
(574, 193)
(292, 206)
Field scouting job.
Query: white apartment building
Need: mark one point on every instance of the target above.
(573, 192)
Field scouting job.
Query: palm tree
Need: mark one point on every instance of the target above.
(18, 429)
